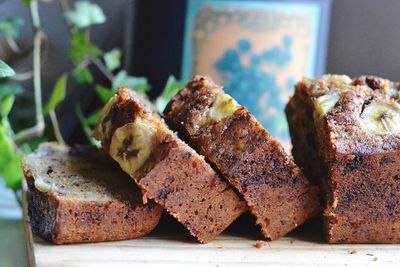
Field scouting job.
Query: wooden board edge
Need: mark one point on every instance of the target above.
(27, 226)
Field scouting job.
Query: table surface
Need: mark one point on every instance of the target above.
(170, 245)
(175, 248)
(229, 249)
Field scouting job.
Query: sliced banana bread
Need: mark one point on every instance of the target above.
(230, 138)
(165, 168)
(345, 134)
(80, 195)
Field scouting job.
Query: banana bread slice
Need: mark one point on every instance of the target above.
(165, 168)
(230, 138)
(345, 133)
(78, 195)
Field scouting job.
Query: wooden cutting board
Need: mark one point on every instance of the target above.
(169, 245)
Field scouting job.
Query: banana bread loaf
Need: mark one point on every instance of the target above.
(166, 168)
(345, 134)
(236, 144)
(79, 195)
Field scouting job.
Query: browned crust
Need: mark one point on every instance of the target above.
(274, 188)
(359, 174)
(362, 199)
(62, 220)
(306, 143)
(193, 193)
(176, 177)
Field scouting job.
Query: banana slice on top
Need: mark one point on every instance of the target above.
(132, 144)
(325, 103)
(381, 118)
(224, 106)
(103, 127)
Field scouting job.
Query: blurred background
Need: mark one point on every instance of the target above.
(256, 49)
(152, 39)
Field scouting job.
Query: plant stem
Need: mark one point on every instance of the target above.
(34, 9)
(64, 6)
(13, 45)
(37, 83)
(56, 127)
(22, 76)
(38, 129)
(86, 128)
(97, 62)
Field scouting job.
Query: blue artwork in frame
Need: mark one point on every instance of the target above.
(257, 50)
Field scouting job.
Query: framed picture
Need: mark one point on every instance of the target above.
(257, 50)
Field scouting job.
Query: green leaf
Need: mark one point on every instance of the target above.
(93, 118)
(138, 84)
(6, 146)
(30, 146)
(85, 14)
(82, 75)
(57, 95)
(6, 105)
(5, 70)
(113, 59)
(86, 128)
(25, 148)
(10, 26)
(10, 160)
(104, 93)
(26, 2)
(10, 89)
(13, 172)
(81, 48)
(171, 88)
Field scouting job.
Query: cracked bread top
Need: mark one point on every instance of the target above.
(360, 115)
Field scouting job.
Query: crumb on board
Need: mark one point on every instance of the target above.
(260, 244)
(369, 254)
(375, 259)
(291, 241)
(353, 251)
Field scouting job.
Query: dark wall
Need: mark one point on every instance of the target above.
(157, 40)
(365, 38)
